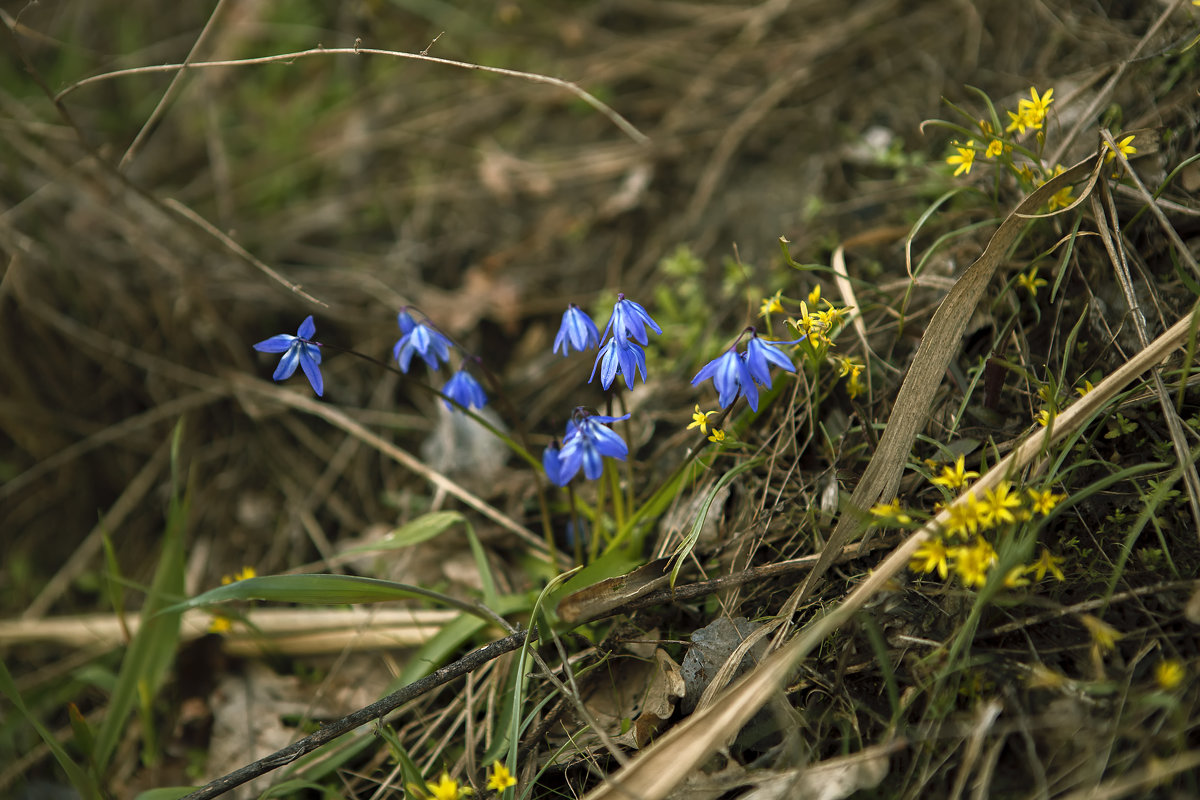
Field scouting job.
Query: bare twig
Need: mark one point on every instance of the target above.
(612, 116)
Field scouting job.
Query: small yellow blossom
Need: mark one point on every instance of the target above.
(973, 562)
(814, 296)
(245, 574)
(1104, 635)
(854, 386)
(1000, 503)
(1124, 146)
(1015, 578)
(955, 477)
(1037, 106)
(1169, 674)
(985, 127)
(717, 436)
(700, 419)
(447, 789)
(964, 160)
(1063, 197)
(1044, 418)
(930, 556)
(1031, 281)
(220, 624)
(994, 149)
(966, 517)
(500, 778)
(1043, 501)
(891, 511)
(772, 304)
(1047, 562)
(1083, 390)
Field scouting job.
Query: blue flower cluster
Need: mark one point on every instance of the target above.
(735, 373)
(585, 444)
(418, 338)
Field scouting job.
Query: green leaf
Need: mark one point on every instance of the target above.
(685, 547)
(84, 783)
(319, 590)
(152, 650)
(419, 530)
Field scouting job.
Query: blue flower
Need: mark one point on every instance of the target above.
(630, 319)
(298, 351)
(422, 339)
(759, 352)
(584, 447)
(465, 390)
(730, 376)
(620, 355)
(577, 330)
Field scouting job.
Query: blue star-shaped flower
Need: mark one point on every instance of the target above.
(577, 330)
(730, 376)
(620, 355)
(630, 319)
(584, 447)
(421, 339)
(298, 351)
(465, 390)
(759, 352)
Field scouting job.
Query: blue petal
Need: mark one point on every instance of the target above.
(553, 466)
(276, 344)
(287, 364)
(308, 329)
(464, 389)
(593, 462)
(405, 321)
(312, 371)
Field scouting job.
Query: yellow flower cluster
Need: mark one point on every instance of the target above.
(961, 546)
(820, 324)
(1031, 113)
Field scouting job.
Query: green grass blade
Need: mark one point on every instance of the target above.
(422, 529)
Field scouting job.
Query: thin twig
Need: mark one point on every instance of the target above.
(612, 116)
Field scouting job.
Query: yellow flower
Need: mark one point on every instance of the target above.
(772, 304)
(994, 149)
(985, 127)
(220, 624)
(814, 296)
(964, 160)
(1083, 390)
(717, 436)
(955, 477)
(447, 789)
(700, 419)
(1063, 197)
(930, 556)
(1037, 106)
(245, 574)
(1169, 674)
(1043, 502)
(1044, 417)
(972, 563)
(1021, 120)
(1104, 635)
(1015, 579)
(1126, 149)
(1047, 562)
(1000, 503)
(500, 778)
(854, 386)
(1031, 281)
(891, 511)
